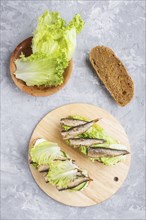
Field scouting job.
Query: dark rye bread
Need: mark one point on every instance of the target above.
(113, 74)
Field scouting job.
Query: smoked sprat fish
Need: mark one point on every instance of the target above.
(105, 152)
(72, 132)
(77, 142)
(71, 122)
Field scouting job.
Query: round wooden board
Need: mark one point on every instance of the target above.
(25, 47)
(103, 185)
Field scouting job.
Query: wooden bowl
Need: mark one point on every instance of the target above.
(25, 47)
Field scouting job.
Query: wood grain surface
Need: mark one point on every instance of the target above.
(25, 47)
(106, 179)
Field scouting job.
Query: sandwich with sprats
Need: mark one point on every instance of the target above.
(91, 139)
(56, 167)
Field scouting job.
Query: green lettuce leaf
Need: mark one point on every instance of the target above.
(48, 33)
(45, 152)
(110, 161)
(79, 117)
(96, 131)
(41, 71)
(77, 23)
(53, 46)
(61, 173)
(52, 36)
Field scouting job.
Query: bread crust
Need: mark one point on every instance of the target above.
(113, 74)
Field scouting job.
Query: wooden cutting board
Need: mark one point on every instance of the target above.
(106, 179)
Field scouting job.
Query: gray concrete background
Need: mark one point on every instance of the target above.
(117, 24)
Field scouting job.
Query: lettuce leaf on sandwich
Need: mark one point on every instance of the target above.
(45, 151)
(62, 172)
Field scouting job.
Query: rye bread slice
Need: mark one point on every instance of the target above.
(113, 74)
